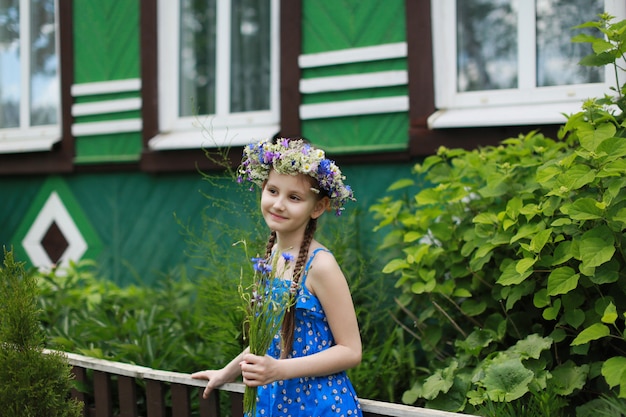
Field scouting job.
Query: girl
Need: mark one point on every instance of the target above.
(303, 373)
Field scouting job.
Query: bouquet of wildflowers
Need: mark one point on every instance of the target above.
(265, 301)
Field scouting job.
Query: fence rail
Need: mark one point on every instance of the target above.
(174, 394)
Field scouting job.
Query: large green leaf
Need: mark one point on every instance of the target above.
(568, 378)
(507, 380)
(531, 347)
(583, 209)
(594, 332)
(614, 371)
(592, 136)
(562, 280)
(510, 276)
(597, 246)
(440, 381)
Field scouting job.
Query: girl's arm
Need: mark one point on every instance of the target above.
(222, 376)
(327, 281)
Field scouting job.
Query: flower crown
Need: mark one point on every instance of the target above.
(295, 156)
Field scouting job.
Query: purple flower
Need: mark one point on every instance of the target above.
(288, 257)
(261, 265)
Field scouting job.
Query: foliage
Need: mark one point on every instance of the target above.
(177, 325)
(510, 259)
(34, 383)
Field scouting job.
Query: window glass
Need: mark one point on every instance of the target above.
(197, 57)
(44, 86)
(557, 56)
(9, 64)
(490, 32)
(250, 56)
(28, 46)
(486, 45)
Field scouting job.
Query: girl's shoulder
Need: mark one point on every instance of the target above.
(321, 259)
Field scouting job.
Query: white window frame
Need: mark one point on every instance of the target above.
(27, 138)
(527, 105)
(222, 128)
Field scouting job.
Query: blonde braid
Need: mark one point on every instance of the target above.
(289, 322)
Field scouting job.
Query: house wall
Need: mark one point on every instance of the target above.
(134, 224)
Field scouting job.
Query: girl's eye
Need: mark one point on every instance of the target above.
(295, 197)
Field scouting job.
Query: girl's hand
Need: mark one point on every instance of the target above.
(259, 370)
(216, 379)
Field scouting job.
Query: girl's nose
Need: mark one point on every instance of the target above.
(279, 203)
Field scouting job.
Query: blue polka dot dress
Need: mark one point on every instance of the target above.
(331, 395)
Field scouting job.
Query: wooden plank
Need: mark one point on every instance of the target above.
(211, 406)
(80, 376)
(102, 394)
(236, 403)
(155, 398)
(180, 400)
(127, 391)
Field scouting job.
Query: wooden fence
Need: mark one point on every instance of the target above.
(112, 389)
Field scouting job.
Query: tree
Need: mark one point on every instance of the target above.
(34, 383)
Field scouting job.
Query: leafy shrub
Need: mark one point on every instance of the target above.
(34, 383)
(511, 259)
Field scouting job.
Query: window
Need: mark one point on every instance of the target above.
(218, 72)
(512, 62)
(29, 76)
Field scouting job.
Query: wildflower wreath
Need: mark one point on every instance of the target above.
(292, 157)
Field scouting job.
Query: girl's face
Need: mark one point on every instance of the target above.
(287, 202)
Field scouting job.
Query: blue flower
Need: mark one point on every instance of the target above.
(261, 265)
(288, 257)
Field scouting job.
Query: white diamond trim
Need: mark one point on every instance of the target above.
(53, 211)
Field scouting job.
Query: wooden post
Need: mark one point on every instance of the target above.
(80, 376)
(236, 403)
(155, 398)
(211, 406)
(102, 394)
(127, 391)
(180, 400)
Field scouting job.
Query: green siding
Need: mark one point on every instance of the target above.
(120, 147)
(138, 218)
(346, 24)
(340, 24)
(371, 133)
(106, 40)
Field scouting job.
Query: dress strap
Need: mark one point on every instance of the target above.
(308, 264)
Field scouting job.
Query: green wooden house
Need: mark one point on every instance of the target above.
(107, 107)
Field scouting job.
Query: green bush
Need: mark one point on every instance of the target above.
(34, 383)
(511, 260)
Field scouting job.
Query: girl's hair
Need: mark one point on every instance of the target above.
(288, 325)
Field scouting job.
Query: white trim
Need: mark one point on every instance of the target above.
(105, 107)
(108, 127)
(53, 211)
(211, 137)
(521, 115)
(106, 87)
(351, 55)
(222, 54)
(352, 82)
(29, 142)
(354, 107)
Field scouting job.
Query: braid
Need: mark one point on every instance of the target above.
(288, 325)
(270, 245)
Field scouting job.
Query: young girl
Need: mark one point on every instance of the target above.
(303, 373)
